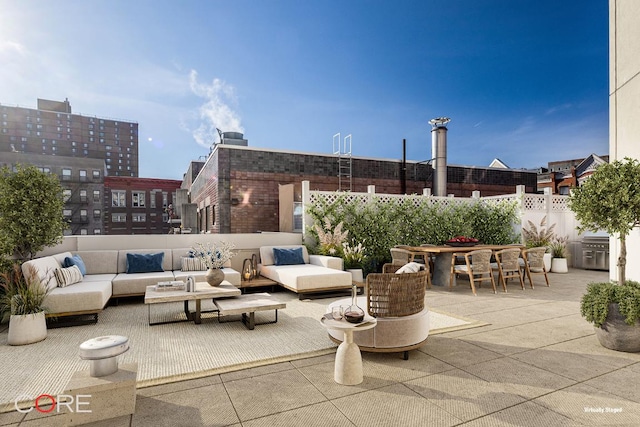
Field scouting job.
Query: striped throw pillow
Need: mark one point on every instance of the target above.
(68, 276)
(192, 264)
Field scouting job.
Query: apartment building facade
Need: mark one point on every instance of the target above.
(139, 205)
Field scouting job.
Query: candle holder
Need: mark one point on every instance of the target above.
(247, 270)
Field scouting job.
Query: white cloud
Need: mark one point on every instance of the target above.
(216, 111)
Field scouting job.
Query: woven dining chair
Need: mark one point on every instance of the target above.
(532, 262)
(508, 266)
(400, 257)
(477, 263)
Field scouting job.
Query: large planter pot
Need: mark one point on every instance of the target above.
(559, 265)
(615, 334)
(356, 274)
(546, 258)
(214, 276)
(27, 328)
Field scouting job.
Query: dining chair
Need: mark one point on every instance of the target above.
(508, 266)
(401, 257)
(477, 263)
(532, 262)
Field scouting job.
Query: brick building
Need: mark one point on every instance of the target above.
(562, 175)
(237, 190)
(138, 205)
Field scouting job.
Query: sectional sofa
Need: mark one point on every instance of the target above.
(106, 277)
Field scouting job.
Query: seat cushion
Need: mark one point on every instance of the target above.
(307, 277)
(125, 284)
(82, 296)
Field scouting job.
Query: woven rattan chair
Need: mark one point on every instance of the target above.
(400, 257)
(477, 263)
(508, 266)
(397, 302)
(532, 262)
(395, 295)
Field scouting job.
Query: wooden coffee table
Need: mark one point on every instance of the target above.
(203, 291)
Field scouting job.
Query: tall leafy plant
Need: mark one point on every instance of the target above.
(610, 200)
(31, 206)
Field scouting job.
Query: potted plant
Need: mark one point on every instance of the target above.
(539, 236)
(22, 299)
(354, 257)
(610, 200)
(558, 249)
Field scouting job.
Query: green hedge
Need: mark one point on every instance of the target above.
(381, 226)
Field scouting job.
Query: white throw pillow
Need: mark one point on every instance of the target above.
(68, 276)
(49, 281)
(412, 267)
(192, 264)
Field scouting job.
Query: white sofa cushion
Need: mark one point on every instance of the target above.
(100, 262)
(83, 296)
(306, 277)
(136, 283)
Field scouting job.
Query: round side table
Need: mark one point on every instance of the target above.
(348, 365)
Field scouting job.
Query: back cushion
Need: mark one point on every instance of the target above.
(266, 253)
(100, 262)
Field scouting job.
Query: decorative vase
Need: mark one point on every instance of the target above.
(356, 274)
(546, 258)
(214, 276)
(559, 265)
(27, 328)
(353, 313)
(615, 334)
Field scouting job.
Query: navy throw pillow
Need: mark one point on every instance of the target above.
(282, 256)
(75, 260)
(144, 263)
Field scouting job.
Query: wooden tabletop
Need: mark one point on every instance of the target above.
(450, 249)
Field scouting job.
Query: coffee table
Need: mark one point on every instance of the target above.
(348, 365)
(203, 291)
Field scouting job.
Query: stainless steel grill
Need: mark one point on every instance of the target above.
(595, 251)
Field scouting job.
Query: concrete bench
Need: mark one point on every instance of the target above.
(246, 305)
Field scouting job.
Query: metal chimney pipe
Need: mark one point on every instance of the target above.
(439, 154)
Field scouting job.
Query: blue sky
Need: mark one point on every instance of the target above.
(524, 81)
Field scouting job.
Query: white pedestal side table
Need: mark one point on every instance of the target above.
(348, 364)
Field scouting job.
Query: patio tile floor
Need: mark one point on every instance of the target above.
(537, 363)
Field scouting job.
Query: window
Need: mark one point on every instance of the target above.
(152, 201)
(83, 175)
(97, 213)
(66, 174)
(66, 213)
(137, 199)
(66, 194)
(96, 196)
(83, 231)
(118, 198)
(83, 195)
(83, 214)
(139, 217)
(165, 197)
(96, 231)
(118, 217)
(96, 173)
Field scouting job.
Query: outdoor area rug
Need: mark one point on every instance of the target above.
(176, 351)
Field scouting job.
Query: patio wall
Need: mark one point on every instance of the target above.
(246, 244)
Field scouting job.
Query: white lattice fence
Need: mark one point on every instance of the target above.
(533, 207)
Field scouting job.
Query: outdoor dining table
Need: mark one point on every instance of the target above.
(442, 260)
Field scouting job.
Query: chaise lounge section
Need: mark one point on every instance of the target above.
(305, 274)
